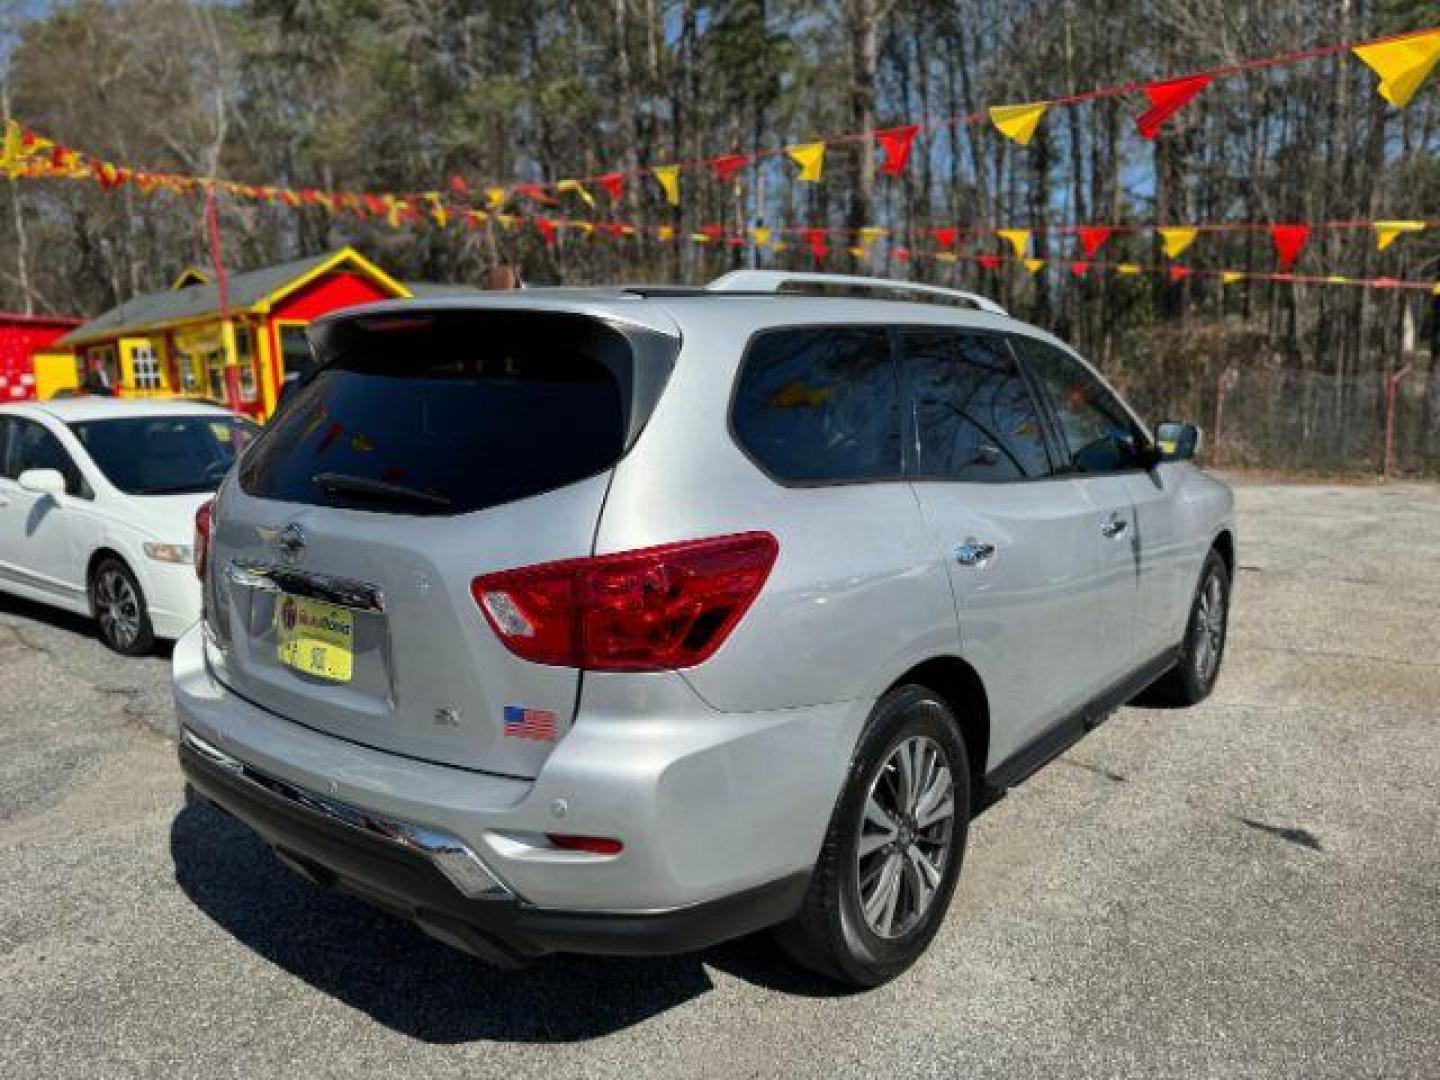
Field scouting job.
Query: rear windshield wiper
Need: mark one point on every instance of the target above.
(346, 484)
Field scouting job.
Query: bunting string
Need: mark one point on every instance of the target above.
(1401, 63)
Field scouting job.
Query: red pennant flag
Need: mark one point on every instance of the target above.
(458, 185)
(735, 241)
(1179, 273)
(727, 166)
(946, 237)
(1092, 238)
(712, 232)
(896, 144)
(612, 228)
(1289, 240)
(547, 230)
(536, 192)
(613, 184)
(902, 254)
(375, 204)
(816, 239)
(989, 262)
(1080, 268)
(1166, 99)
(1385, 283)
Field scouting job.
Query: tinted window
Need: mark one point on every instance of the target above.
(32, 446)
(165, 455)
(974, 416)
(820, 404)
(447, 414)
(6, 423)
(1097, 430)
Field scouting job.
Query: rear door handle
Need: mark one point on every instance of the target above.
(1114, 527)
(974, 553)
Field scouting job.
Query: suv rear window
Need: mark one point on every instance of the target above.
(447, 413)
(820, 404)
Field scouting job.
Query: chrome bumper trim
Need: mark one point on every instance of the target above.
(451, 856)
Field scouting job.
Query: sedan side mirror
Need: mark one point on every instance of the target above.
(1176, 441)
(42, 481)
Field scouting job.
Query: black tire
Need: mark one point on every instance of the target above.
(1194, 675)
(121, 612)
(832, 935)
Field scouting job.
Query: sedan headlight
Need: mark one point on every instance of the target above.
(176, 553)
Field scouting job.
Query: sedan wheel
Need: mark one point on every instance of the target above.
(120, 609)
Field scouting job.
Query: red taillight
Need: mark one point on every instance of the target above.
(649, 610)
(596, 845)
(202, 537)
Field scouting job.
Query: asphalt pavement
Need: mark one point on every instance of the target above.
(1249, 888)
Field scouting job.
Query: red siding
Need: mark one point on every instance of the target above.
(328, 293)
(21, 336)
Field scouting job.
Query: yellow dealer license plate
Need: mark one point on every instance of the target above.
(318, 639)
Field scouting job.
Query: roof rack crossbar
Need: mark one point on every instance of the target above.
(777, 281)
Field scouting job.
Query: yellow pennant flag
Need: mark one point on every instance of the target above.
(699, 238)
(438, 212)
(1034, 266)
(1386, 232)
(858, 252)
(780, 245)
(811, 159)
(1230, 277)
(869, 235)
(1018, 122)
(579, 189)
(495, 197)
(762, 236)
(945, 256)
(669, 177)
(13, 149)
(392, 211)
(665, 233)
(1336, 279)
(1175, 241)
(1128, 269)
(1402, 65)
(1018, 239)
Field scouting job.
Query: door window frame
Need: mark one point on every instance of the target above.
(1065, 467)
(910, 432)
(83, 488)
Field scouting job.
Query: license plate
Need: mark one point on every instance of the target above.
(314, 638)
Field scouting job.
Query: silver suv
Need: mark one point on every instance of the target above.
(630, 620)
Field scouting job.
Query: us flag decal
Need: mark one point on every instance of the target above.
(523, 723)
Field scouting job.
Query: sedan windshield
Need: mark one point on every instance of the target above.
(165, 455)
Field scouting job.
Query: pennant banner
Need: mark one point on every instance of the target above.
(669, 178)
(1289, 240)
(895, 144)
(810, 158)
(1402, 65)
(1175, 241)
(1166, 99)
(1018, 122)
(1386, 232)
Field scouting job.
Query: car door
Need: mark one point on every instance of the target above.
(1106, 448)
(1018, 541)
(40, 538)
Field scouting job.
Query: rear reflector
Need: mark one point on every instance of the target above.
(596, 845)
(649, 610)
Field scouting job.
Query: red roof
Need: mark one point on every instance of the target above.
(56, 322)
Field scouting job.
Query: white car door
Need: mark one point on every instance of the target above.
(1021, 545)
(42, 548)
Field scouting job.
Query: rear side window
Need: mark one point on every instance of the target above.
(820, 404)
(974, 417)
(447, 413)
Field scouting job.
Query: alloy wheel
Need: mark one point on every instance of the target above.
(118, 608)
(905, 832)
(1209, 636)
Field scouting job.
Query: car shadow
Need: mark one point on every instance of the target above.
(392, 972)
(71, 623)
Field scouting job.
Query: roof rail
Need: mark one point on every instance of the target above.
(783, 281)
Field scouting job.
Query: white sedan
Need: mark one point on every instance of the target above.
(97, 508)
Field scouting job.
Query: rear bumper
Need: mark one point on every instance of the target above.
(710, 806)
(411, 872)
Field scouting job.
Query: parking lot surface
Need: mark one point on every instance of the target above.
(1249, 888)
